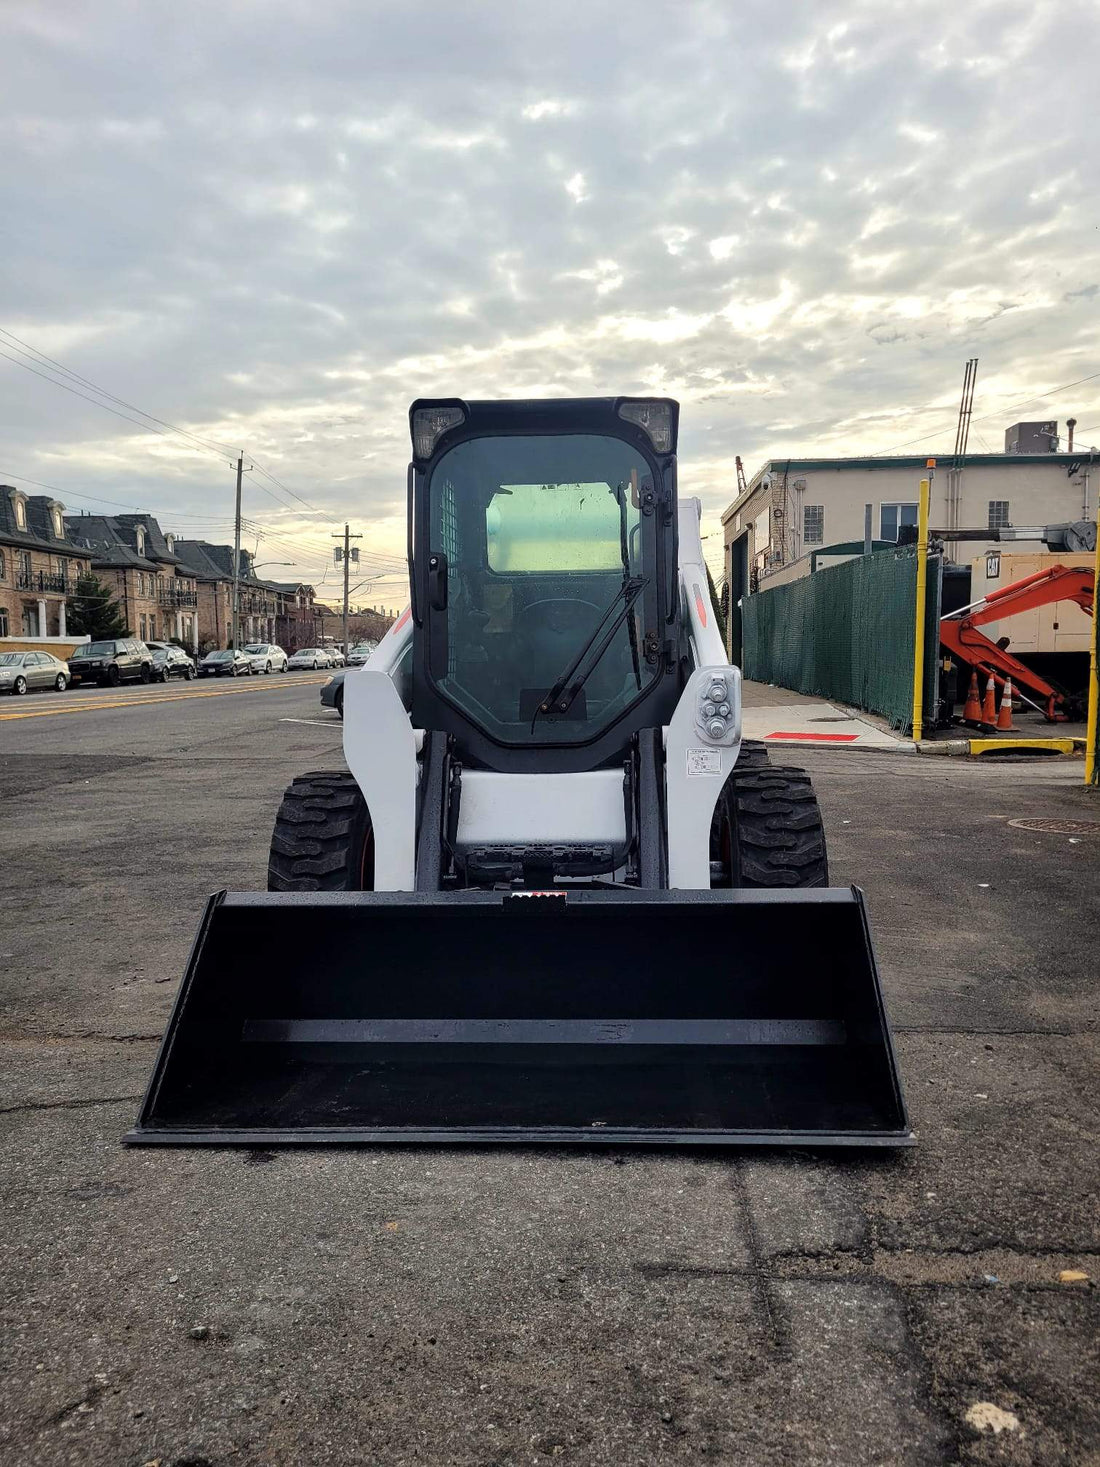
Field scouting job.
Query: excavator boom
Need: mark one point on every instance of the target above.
(960, 634)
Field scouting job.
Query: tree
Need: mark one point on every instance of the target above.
(716, 602)
(92, 613)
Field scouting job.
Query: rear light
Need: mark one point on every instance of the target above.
(654, 417)
(429, 425)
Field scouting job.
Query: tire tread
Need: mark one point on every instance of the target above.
(779, 833)
(320, 830)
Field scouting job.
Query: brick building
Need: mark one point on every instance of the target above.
(263, 607)
(156, 593)
(39, 568)
(297, 623)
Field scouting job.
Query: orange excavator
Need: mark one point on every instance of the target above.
(960, 634)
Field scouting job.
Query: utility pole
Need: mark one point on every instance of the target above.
(348, 537)
(237, 556)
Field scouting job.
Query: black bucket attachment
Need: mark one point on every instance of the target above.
(663, 1017)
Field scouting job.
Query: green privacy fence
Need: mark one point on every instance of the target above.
(847, 633)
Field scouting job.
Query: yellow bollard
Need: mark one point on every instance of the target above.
(922, 596)
(1092, 774)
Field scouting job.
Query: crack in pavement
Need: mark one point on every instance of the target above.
(7, 1110)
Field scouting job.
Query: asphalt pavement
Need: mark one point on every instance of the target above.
(514, 1306)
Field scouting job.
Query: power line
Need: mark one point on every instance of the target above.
(76, 376)
(93, 400)
(1000, 412)
(206, 445)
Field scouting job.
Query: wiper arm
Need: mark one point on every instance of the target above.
(560, 697)
(624, 555)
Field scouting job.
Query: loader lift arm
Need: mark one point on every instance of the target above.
(960, 634)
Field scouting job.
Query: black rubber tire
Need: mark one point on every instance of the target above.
(340, 703)
(267, 669)
(753, 755)
(19, 686)
(146, 673)
(188, 674)
(323, 838)
(60, 683)
(768, 831)
(114, 677)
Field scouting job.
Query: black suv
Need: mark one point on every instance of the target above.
(170, 661)
(111, 663)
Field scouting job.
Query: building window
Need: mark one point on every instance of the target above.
(893, 516)
(58, 524)
(30, 621)
(3, 621)
(813, 524)
(3, 566)
(140, 533)
(152, 625)
(142, 633)
(20, 512)
(998, 514)
(25, 567)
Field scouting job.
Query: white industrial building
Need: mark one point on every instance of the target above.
(799, 514)
(795, 507)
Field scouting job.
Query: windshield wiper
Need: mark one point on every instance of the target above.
(624, 555)
(560, 697)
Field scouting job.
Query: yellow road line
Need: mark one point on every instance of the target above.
(164, 698)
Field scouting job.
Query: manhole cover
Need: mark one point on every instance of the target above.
(1059, 827)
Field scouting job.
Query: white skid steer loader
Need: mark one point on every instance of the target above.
(556, 897)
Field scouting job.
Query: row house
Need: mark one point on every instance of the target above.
(263, 606)
(297, 624)
(39, 568)
(156, 592)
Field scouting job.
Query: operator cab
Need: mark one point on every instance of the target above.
(544, 577)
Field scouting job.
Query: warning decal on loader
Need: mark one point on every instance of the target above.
(704, 761)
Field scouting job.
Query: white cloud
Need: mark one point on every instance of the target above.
(283, 244)
(576, 188)
(724, 246)
(548, 107)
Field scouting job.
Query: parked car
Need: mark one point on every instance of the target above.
(266, 657)
(315, 657)
(338, 658)
(359, 654)
(233, 663)
(332, 694)
(170, 661)
(21, 672)
(122, 660)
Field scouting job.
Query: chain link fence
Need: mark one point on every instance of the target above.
(847, 633)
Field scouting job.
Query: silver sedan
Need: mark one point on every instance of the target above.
(20, 672)
(266, 657)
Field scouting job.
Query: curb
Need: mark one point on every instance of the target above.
(902, 746)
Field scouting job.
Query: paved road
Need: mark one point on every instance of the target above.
(508, 1307)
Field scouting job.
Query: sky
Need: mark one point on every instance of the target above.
(276, 224)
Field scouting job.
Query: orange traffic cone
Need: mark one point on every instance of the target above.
(972, 713)
(1004, 717)
(989, 704)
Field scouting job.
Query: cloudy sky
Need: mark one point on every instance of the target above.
(274, 224)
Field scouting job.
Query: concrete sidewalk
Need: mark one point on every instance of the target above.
(780, 716)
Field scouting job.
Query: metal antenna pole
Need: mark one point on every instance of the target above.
(237, 556)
